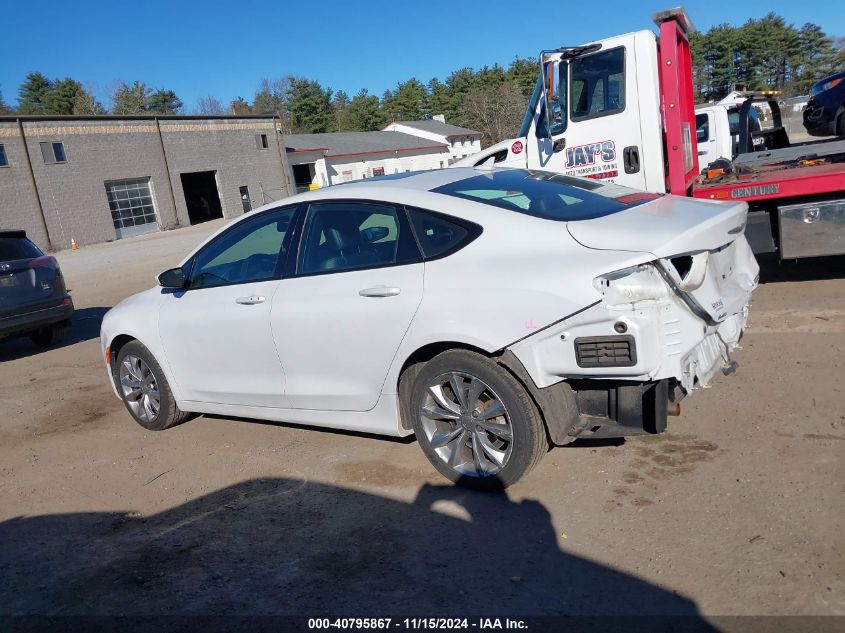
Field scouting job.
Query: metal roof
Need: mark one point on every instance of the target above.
(415, 180)
(353, 143)
(437, 127)
(131, 117)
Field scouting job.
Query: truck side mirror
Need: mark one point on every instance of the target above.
(544, 126)
(550, 107)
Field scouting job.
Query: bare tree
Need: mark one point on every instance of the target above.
(210, 105)
(495, 111)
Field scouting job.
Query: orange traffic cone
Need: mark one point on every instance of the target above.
(73, 245)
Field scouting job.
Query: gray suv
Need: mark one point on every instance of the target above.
(33, 299)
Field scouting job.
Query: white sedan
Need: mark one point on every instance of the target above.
(491, 312)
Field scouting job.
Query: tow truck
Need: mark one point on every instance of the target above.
(622, 110)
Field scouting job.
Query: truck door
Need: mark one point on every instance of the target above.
(604, 113)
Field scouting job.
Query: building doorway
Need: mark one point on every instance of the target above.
(303, 176)
(201, 196)
(245, 199)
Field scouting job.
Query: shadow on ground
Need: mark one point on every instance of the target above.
(772, 270)
(285, 546)
(84, 325)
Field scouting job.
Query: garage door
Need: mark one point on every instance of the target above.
(132, 208)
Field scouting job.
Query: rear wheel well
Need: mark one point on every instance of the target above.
(414, 362)
(557, 400)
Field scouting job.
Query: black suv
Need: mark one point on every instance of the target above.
(33, 297)
(825, 111)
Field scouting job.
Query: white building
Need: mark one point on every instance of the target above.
(461, 141)
(319, 160)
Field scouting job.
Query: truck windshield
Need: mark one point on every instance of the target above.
(546, 195)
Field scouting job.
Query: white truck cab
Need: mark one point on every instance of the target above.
(713, 134)
(606, 120)
(717, 131)
(621, 110)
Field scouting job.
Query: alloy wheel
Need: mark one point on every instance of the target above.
(140, 388)
(466, 424)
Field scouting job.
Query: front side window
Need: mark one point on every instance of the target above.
(597, 84)
(253, 250)
(351, 235)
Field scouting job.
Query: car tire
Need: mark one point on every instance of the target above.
(474, 421)
(839, 125)
(49, 336)
(144, 389)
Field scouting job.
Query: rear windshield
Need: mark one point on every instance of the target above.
(546, 195)
(12, 248)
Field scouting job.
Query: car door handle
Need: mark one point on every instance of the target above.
(251, 300)
(380, 291)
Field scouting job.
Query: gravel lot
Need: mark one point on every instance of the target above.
(737, 510)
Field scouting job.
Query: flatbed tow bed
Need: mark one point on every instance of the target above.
(789, 191)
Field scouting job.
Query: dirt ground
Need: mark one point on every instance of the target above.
(738, 509)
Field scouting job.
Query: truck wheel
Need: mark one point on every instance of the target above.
(144, 389)
(49, 336)
(474, 421)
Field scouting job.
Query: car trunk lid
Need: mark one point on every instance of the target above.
(700, 247)
(667, 226)
(27, 284)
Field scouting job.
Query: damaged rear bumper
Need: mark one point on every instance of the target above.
(628, 365)
(664, 338)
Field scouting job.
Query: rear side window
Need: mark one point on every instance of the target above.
(702, 128)
(439, 235)
(12, 248)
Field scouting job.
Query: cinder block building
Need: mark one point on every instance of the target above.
(95, 179)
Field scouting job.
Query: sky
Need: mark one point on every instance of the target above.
(225, 48)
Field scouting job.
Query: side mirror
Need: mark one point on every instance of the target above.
(547, 71)
(374, 233)
(172, 279)
(553, 75)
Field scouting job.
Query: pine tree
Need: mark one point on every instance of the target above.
(129, 100)
(4, 107)
(408, 102)
(62, 96)
(32, 94)
(363, 114)
(163, 102)
(310, 106)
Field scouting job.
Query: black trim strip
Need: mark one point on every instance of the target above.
(546, 327)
